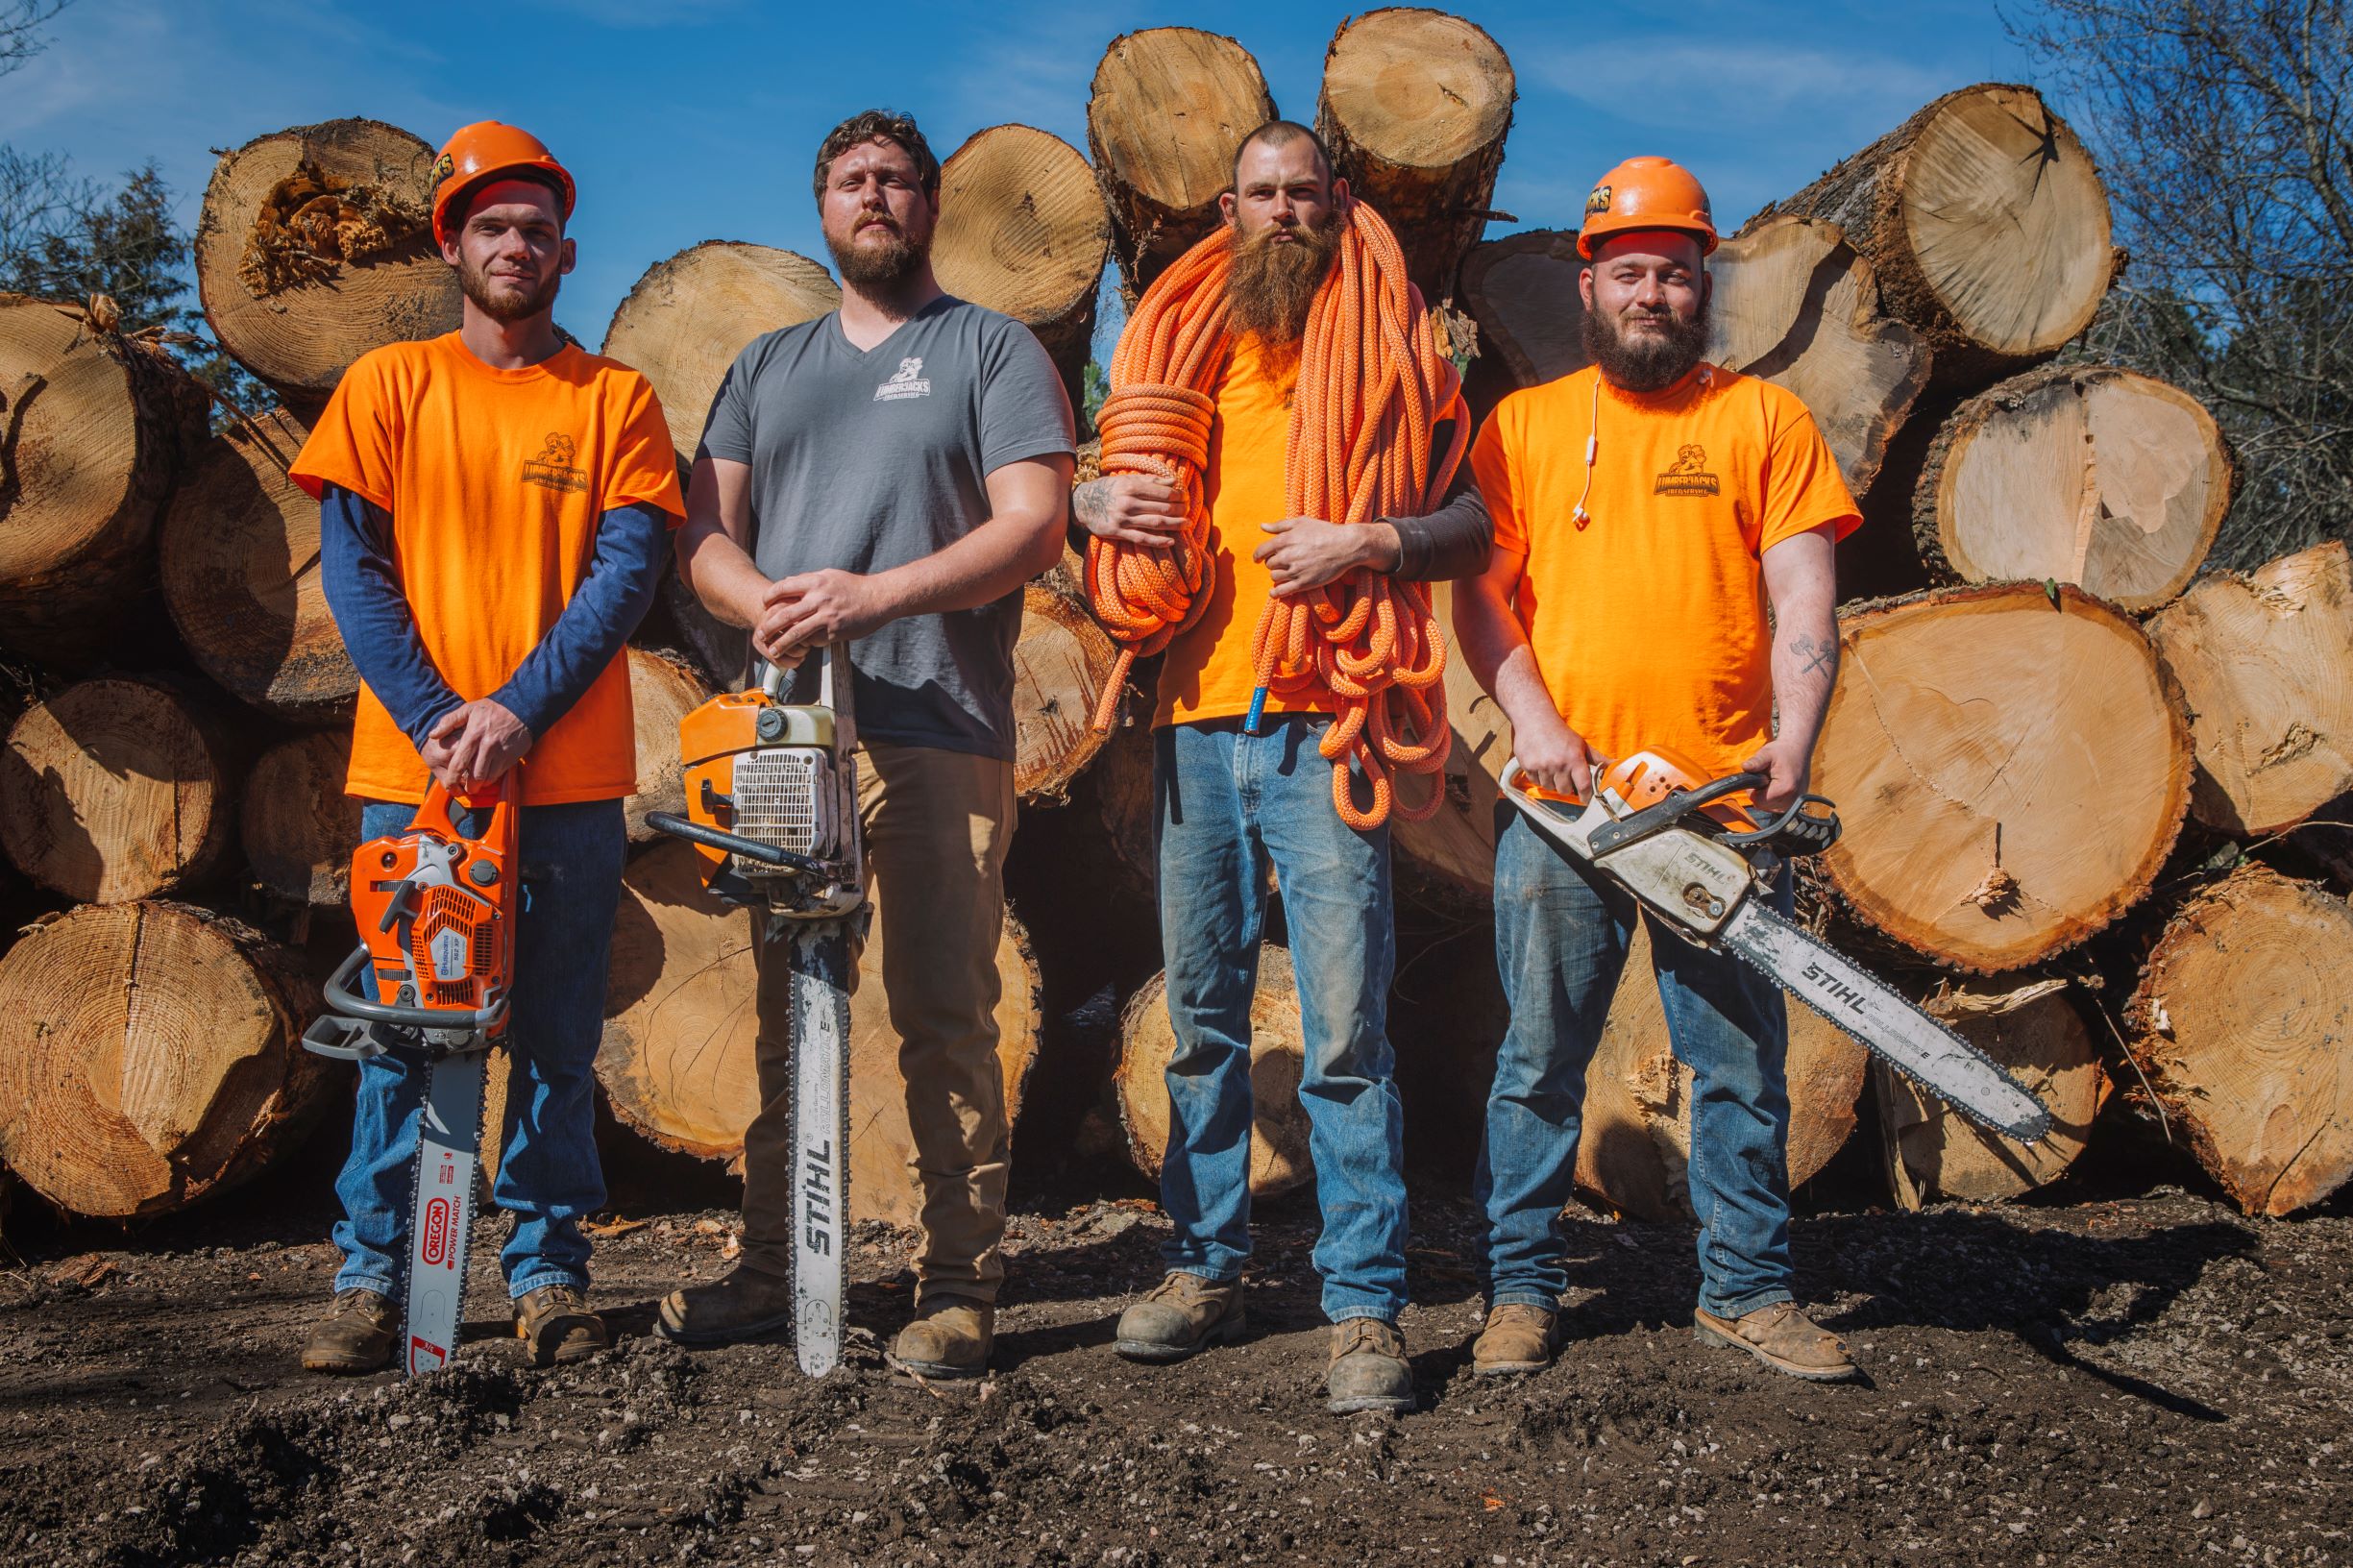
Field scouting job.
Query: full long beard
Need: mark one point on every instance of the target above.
(1652, 362)
(1273, 285)
(880, 270)
(503, 304)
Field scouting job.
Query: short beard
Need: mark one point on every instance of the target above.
(1273, 287)
(507, 309)
(882, 271)
(1648, 363)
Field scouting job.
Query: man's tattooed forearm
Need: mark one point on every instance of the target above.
(1818, 655)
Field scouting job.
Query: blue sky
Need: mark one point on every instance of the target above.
(687, 120)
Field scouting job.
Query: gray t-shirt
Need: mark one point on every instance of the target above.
(868, 460)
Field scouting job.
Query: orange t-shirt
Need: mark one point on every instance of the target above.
(1648, 624)
(1208, 673)
(495, 480)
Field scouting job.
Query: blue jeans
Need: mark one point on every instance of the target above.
(1225, 804)
(548, 1174)
(1560, 937)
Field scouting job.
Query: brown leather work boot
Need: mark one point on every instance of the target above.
(742, 1304)
(555, 1325)
(1519, 1337)
(950, 1337)
(1783, 1339)
(1179, 1316)
(1368, 1371)
(356, 1335)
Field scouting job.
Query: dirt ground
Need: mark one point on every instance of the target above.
(2134, 1376)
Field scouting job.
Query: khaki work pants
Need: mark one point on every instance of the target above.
(937, 824)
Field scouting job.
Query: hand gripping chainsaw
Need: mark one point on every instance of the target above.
(1686, 852)
(437, 913)
(772, 796)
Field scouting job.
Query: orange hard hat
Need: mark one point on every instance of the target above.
(1647, 193)
(474, 153)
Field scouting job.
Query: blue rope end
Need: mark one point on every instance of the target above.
(1258, 711)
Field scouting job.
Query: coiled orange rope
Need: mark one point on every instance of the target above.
(1373, 387)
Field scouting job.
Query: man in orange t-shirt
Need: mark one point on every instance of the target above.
(1646, 510)
(1230, 802)
(495, 508)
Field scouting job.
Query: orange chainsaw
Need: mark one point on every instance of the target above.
(437, 913)
(771, 793)
(1696, 859)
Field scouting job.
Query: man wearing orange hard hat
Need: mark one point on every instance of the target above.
(495, 508)
(1647, 508)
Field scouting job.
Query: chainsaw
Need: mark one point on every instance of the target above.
(1698, 861)
(437, 913)
(772, 799)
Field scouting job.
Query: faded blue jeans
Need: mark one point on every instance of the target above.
(548, 1174)
(1226, 805)
(1560, 937)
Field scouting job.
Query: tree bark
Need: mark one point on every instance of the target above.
(299, 828)
(1986, 223)
(2265, 663)
(1414, 107)
(1279, 1158)
(1059, 669)
(1023, 230)
(688, 317)
(1634, 1149)
(663, 690)
(680, 1061)
(93, 430)
(1168, 112)
(150, 1055)
(2081, 474)
(2035, 1031)
(241, 579)
(2012, 764)
(316, 245)
(116, 790)
(2238, 1025)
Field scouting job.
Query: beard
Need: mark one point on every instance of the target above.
(498, 298)
(882, 269)
(1652, 361)
(1273, 285)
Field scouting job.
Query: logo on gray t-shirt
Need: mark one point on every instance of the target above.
(862, 467)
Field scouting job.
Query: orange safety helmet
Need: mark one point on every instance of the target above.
(1647, 193)
(485, 148)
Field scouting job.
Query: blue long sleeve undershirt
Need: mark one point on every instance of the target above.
(363, 592)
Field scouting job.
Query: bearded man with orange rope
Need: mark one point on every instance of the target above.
(1279, 430)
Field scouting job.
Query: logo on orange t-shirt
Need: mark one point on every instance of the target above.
(1687, 475)
(552, 469)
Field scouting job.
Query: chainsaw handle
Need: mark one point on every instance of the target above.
(1801, 830)
(341, 1000)
(735, 844)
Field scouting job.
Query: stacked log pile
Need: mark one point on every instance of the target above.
(2084, 788)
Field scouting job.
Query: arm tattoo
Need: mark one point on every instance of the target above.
(1818, 656)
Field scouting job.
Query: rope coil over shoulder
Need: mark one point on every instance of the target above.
(1372, 389)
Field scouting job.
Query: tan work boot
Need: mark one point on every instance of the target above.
(1179, 1316)
(950, 1337)
(1368, 1371)
(555, 1325)
(1519, 1337)
(356, 1335)
(1783, 1339)
(742, 1304)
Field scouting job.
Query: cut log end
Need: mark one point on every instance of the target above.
(1168, 109)
(1059, 667)
(1023, 230)
(1279, 1157)
(151, 1055)
(115, 790)
(663, 689)
(315, 245)
(2266, 664)
(2013, 765)
(2238, 1025)
(2077, 474)
(298, 825)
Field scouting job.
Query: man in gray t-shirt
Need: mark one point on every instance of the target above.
(888, 476)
